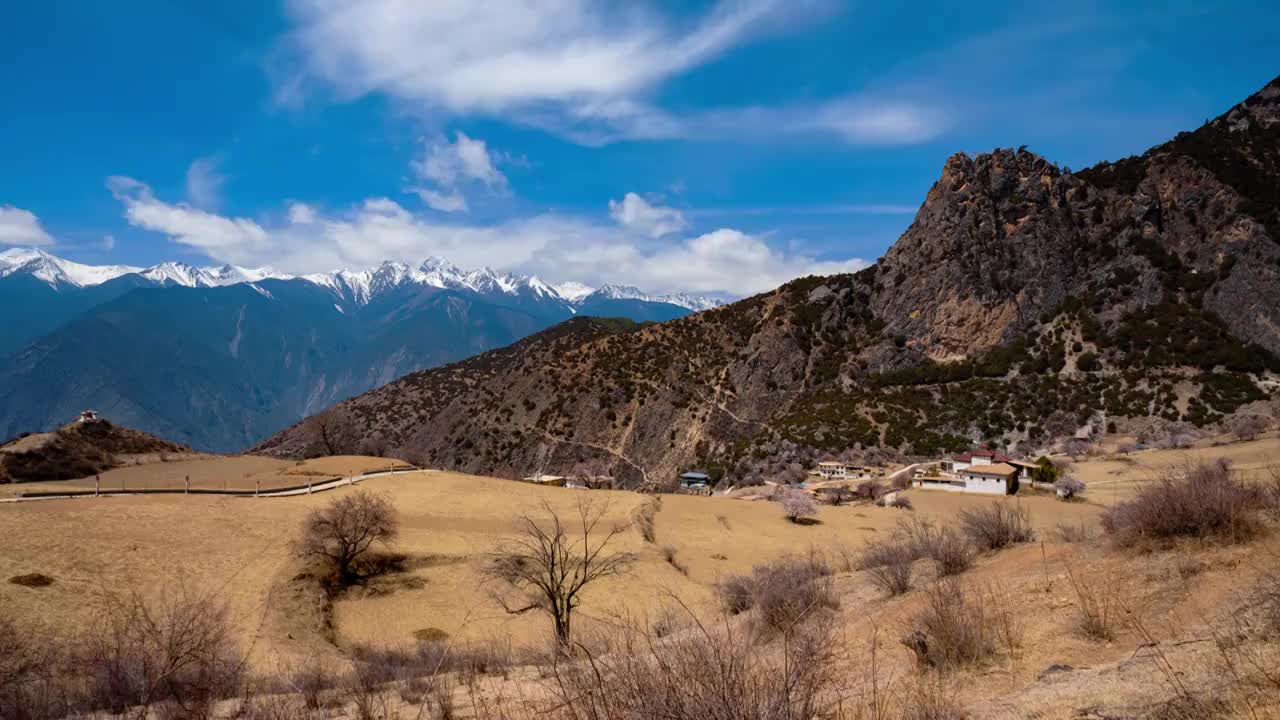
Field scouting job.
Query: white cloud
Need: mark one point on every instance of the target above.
(555, 247)
(578, 68)
(468, 56)
(301, 214)
(444, 202)
(204, 183)
(638, 214)
(108, 242)
(21, 227)
(212, 234)
(446, 166)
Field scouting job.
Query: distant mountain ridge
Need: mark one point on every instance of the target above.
(360, 286)
(220, 357)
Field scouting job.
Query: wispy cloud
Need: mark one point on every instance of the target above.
(807, 210)
(204, 182)
(583, 69)
(21, 227)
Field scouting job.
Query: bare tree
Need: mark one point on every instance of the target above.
(547, 567)
(798, 504)
(1068, 487)
(375, 445)
(332, 432)
(1248, 427)
(343, 532)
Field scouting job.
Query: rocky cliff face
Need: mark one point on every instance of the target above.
(1023, 303)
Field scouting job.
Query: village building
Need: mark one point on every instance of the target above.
(985, 479)
(972, 458)
(88, 416)
(695, 481)
(836, 470)
(991, 479)
(830, 469)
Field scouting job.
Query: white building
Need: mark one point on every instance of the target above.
(985, 479)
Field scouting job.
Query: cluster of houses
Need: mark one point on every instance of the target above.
(982, 471)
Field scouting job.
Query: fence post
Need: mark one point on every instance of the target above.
(186, 486)
(257, 487)
(308, 486)
(97, 485)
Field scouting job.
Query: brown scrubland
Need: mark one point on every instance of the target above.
(1153, 594)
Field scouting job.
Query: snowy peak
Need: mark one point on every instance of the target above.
(629, 292)
(359, 287)
(573, 291)
(174, 273)
(57, 271)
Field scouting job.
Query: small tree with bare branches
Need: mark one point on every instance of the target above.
(331, 432)
(552, 561)
(344, 531)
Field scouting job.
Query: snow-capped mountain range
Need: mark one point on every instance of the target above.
(360, 287)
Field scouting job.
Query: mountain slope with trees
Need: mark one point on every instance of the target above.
(1025, 303)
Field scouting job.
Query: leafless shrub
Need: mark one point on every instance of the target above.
(273, 706)
(889, 565)
(30, 661)
(342, 533)
(713, 673)
(1097, 602)
(1248, 427)
(798, 505)
(781, 592)
(930, 699)
(901, 502)
(737, 593)
(547, 567)
(956, 628)
(366, 692)
(790, 589)
(997, 526)
(901, 481)
(1069, 533)
(1202, 500)
(950, 551)
(312, 681)
(177, 650)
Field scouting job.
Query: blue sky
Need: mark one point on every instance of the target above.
(708, 146)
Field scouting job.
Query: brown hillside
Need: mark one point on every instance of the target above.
(1025, 303)
(76, 450)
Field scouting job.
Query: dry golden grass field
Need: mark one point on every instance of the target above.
(242, 549)
(245, 472)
